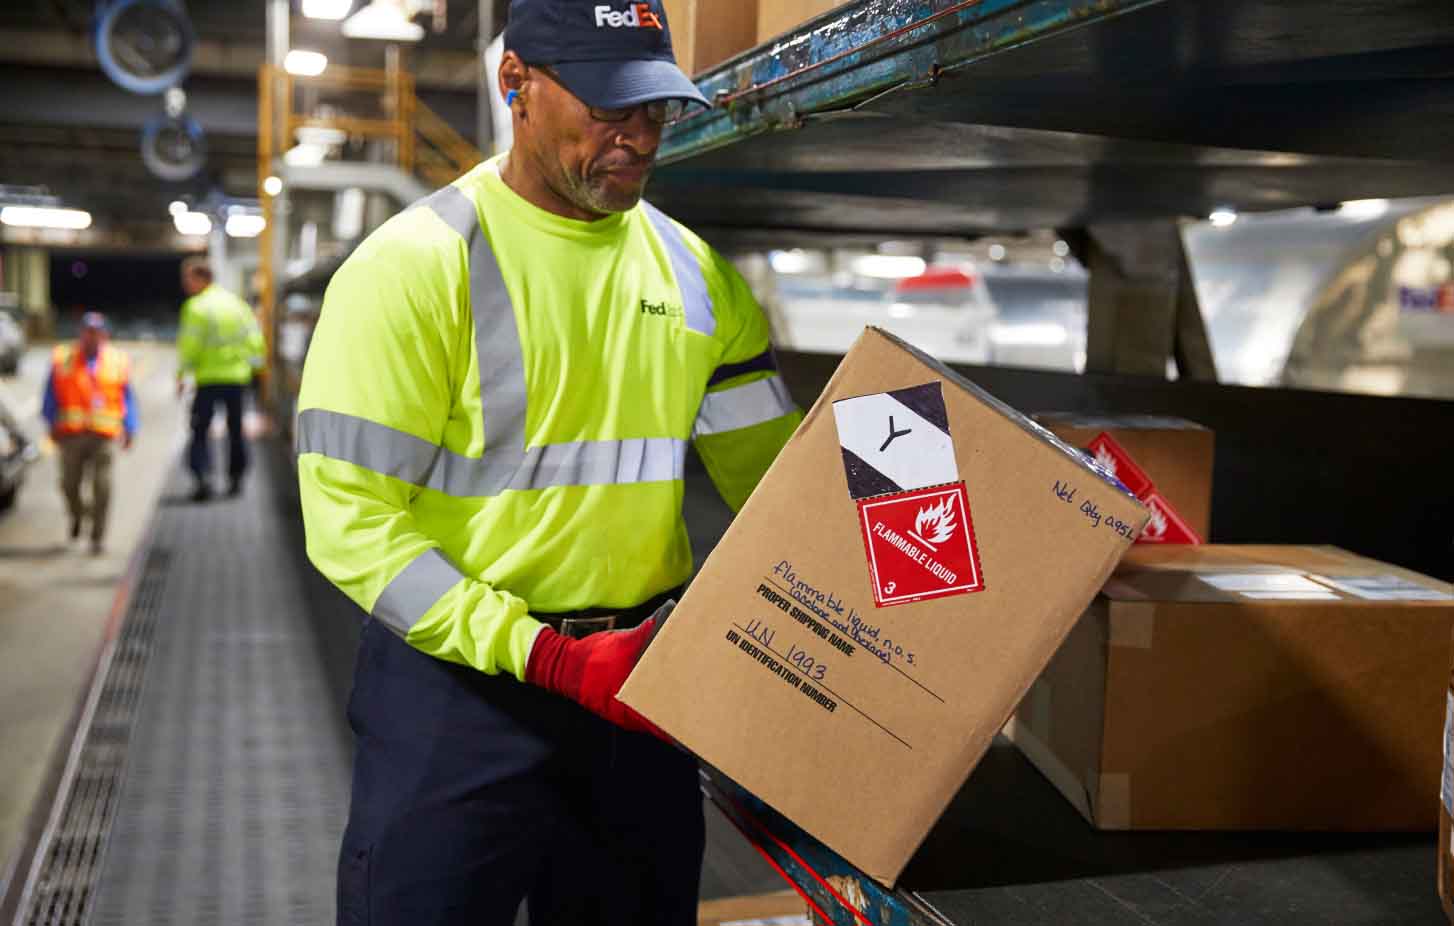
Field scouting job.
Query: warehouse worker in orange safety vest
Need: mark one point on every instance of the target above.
(492, 434)
(89, 405)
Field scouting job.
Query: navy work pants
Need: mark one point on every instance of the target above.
(474, 792)
(199, 454)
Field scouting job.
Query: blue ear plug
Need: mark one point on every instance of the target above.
(510, 98)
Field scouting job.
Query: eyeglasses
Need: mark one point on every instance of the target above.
(658, 112)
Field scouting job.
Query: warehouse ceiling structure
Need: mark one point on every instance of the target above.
(69, 132)
(964, 116)
(883, 118)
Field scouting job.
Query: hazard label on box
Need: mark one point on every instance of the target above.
(920, 545)
(1113, 458)
(1165, 525)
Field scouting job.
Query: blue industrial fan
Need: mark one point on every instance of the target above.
(145, 46)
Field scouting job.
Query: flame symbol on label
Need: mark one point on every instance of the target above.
(1106, 459)
(935, 524)
(1156, 527)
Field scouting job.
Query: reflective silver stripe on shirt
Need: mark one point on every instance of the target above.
(404, 601)
(373, 446)
(743, 406)
(688, 270)
(420, 463)
(506, 464)
(498, 354)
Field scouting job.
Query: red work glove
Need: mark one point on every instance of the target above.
(590, 671)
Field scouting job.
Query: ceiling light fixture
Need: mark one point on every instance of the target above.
(192, 223)
(888, 266)
(273, 185)
(326, 9)
(305, 154)
(1364, 208)
(245, 225)
(1221, 218)
(382, 20)
(45, 217)
(301, 62)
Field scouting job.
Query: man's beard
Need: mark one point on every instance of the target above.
(595, 193)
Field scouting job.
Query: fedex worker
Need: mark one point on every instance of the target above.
(493, 421)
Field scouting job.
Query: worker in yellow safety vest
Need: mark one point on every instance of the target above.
(220, 348)
(89, 405)
(492, 432)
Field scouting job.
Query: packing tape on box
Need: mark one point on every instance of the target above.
(1113, 806)
(1446, 783)
(1132, 624)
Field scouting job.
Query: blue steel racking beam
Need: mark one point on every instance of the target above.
(863, 51)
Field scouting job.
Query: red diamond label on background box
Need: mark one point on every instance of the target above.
(1113, 458)
(1165, 526)
(920, 545)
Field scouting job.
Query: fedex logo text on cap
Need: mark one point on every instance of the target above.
(637, 16)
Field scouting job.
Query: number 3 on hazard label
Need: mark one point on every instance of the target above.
(889, 587)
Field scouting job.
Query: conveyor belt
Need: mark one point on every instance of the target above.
(213, 780)
(1010, 850)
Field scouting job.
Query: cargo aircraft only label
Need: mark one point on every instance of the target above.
(893, 441)
(898, 457)
(920, 545)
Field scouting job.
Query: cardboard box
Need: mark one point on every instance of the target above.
(1175, 454)
(1227, 687)
(704, 33)
(877, 609)
(780, 908)
(776, 17)
(1446, 808)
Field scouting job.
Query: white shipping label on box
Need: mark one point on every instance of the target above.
(1287, 586)
(1384, 588)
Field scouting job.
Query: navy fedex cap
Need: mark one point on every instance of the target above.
(610, 53)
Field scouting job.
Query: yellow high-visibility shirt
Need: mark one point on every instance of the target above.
(495, 412)
(218, 339)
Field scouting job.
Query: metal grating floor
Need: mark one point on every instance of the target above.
(62, 892)
(212, 784)
(235, 780)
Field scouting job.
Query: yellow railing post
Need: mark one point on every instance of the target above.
(406, 122)
(266, 288)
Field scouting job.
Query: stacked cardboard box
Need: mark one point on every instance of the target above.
(1165, 462)
(882, 602)
(1226, 687)
(705, 33)
(1446, 808)
(776, 17)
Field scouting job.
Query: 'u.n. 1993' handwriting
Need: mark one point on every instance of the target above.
(767, 657)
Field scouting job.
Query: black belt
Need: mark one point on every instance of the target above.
(579, 624)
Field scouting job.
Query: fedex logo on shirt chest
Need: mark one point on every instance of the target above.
(636, 16)
(662, 309)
